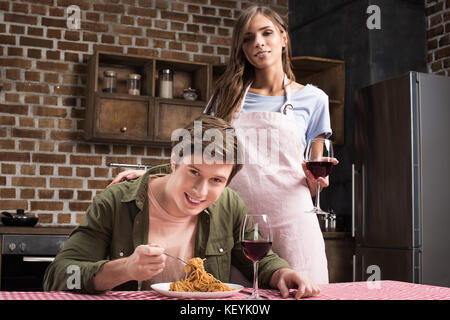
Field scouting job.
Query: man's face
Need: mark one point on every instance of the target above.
(193, 187)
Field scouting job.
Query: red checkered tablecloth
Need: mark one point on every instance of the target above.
(373, 290)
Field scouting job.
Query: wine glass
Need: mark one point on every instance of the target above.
(319, 160)
(256, 240)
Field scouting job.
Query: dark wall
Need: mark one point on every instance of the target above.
(337, 29)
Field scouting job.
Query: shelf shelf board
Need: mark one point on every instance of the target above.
(121, 96)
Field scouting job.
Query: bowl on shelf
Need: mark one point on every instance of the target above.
(190, 94)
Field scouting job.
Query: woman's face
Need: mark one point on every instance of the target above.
(263, 42)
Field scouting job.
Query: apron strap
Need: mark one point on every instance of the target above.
(286, 108)
(241, 104)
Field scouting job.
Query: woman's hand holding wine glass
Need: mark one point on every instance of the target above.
(317, 166)
(323, 182)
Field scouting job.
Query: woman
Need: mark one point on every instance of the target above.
(258, 92)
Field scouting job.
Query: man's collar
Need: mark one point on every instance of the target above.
(137, 190)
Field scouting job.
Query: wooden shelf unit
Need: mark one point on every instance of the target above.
(144, 119)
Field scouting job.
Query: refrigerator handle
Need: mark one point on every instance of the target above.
(363, 196)
(353, 201)
(358, 174)
(354, 268)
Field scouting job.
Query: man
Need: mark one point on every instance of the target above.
(183, 209)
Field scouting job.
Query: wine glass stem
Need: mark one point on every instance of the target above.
(255, 280)
(317, 195)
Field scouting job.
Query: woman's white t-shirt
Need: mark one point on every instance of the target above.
(311, 110)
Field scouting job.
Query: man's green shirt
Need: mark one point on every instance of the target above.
(118, 221)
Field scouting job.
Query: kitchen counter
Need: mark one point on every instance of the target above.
(336, 235)
(63, 230)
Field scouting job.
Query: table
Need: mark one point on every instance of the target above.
(371, 290)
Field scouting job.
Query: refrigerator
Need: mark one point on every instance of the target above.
(401, 180)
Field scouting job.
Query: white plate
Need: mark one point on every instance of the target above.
(163, 288)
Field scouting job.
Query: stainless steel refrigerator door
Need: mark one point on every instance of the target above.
(387, 264)
(433, 161)
(384, 176)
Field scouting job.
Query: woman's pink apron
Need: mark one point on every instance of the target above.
(276, 186)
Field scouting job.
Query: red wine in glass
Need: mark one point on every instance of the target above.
(256, 250)
(256, 240)
(319, 155)
(319, 168)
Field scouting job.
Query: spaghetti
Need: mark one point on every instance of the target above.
(199, 280)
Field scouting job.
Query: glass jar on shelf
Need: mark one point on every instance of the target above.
(109, 81)
(134, 84)
(166, 83)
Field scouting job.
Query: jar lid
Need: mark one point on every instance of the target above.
(134, 76)
(166, 71)
(109, 73)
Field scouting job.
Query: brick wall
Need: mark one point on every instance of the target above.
(438, 34)
(45, 165)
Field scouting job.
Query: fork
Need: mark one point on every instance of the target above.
(183, 262)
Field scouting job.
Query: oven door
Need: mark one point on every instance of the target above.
(23, 273)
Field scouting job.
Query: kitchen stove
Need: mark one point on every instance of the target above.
(24, 259)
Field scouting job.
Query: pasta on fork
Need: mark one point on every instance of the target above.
(198, 280)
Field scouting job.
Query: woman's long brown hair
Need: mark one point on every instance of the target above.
(239, 73)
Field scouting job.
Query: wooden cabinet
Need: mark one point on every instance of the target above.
(172, 114)
(144, 119)
(339, 248)
(120, 117)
